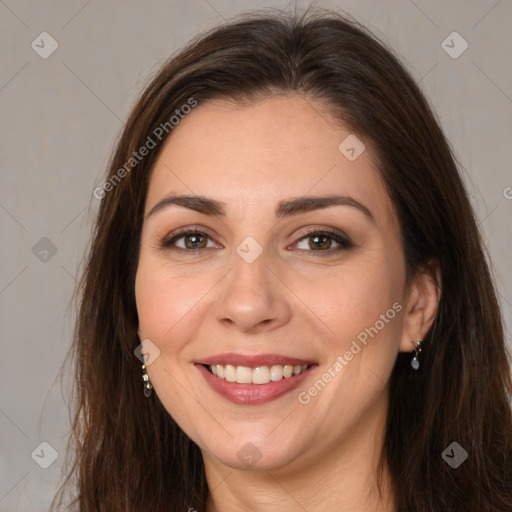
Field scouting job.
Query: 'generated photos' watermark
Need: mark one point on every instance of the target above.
(158, 134)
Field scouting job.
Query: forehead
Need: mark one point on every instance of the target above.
(280, 147)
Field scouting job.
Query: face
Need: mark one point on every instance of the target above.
(298, 300)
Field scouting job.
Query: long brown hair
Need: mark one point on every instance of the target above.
(128, 453)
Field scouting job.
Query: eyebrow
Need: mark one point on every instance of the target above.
(285, 208)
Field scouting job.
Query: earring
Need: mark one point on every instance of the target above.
(414, 361)
(147, 384)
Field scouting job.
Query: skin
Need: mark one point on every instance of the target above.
(321, 455)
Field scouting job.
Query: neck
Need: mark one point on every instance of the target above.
(343, 477)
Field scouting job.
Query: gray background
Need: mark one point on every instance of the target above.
(61, 115)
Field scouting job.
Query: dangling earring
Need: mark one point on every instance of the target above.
(415, 363)
(147, 384)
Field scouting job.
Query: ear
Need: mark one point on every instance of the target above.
(421, 305)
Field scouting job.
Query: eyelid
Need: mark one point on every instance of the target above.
(339, 237)
(323, 230)
(182, 232)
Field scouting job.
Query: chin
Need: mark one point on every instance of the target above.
(257, 453)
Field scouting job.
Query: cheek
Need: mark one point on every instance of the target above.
(361, 311)
(166, 305)
(352, 298)
(163, 299)
(360, 307)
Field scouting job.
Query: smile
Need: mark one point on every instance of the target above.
(254, 379)
(257, 375)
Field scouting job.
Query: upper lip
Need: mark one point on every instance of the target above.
(253, 361)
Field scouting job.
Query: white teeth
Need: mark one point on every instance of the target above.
(258, 375)
(243, 375)
(230, 373)
(261, 375)
(276, 373)
(288, 371)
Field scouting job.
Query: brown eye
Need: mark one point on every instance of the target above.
(188, 241)
(322, 242)
(195, 241)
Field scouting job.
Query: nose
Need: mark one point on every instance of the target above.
(253, 299)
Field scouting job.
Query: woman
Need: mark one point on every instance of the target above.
(286, 243)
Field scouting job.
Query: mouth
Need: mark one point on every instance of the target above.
(253, 380)
(259, 375)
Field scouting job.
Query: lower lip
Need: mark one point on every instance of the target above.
(253, 394)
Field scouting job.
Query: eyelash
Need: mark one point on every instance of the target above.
(335, 235)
